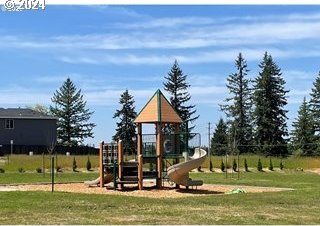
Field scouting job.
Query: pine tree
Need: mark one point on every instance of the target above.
(270, 165)
(315, 111)
(234, 165)
(219, 140)
(72, 114)
(315, 104)
(270, 115)
(176, 85)
(303, 134)
(126, 129)
(88, 164)
(239, 105)
(246, 168)
(210, 166)
(259, 167)
(281, 165)
(222, 166)
(74, 165)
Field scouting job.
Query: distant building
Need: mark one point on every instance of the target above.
(26, 127)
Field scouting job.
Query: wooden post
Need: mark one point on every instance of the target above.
(140, 157)
(139, 139)
(159, 150)
(177, 144)
(140, 172)
(101, 165)
(120, 158)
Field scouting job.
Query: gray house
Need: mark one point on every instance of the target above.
(26, 127)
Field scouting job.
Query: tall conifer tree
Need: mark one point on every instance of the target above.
(177, 86)
(238, 107)
(270, 115)
(73, 116)
(315, 105)
(303, 136)
(126, 129)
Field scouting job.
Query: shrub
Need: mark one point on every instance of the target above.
(234, 165)
(74, 165)
(38, 170)
(222, 166)
(2, 170)
(270, 165)
(281, 165)
(259, 165)
(88, 165)
(246, 165)
(21, 170)
(211, 166)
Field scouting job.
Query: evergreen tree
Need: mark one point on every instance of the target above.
(222, 166)
(246, 168)
(281, 165)
(210, 166)
(88, 164)
(219, 140)
(315, 111)
(270, 165)
(74, 165)
(234, 165)
(72, 114)
(259, 167)
(176, 85)
(303, 134)
(270, 115)
(239, 105)
(315, 104)
(126, 129)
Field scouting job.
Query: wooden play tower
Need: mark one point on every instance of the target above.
(157, 111)
(165, 148)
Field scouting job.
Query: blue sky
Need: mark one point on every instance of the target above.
(107, 49)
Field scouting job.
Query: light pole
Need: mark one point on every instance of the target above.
(11, 143)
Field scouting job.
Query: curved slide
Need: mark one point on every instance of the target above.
(179, 173)
(107, 179)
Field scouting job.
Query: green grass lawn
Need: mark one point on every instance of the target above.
(17, 178)
(31, 163)
(252, 161)
(300, 206)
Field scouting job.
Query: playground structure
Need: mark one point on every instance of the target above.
(158, 155)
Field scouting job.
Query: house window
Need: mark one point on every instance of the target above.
(9, 124)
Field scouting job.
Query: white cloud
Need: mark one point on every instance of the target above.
(226, 55)
(197, 32)
(293, 75)
(169, 22)
(17, 95)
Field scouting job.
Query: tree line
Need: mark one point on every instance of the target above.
(256, 120)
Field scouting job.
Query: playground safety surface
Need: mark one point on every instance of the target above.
(149, 191)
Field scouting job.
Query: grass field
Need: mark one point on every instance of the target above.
(30, 163)
(300, 206)
(17, 178)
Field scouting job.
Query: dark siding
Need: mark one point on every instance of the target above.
(29, 132)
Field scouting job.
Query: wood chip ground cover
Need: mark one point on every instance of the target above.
(150, 191)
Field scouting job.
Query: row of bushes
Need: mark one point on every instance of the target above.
(259, 166)
(58, 168)
(38, 150)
